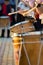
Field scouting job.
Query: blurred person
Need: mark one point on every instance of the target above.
(6, 8)
(37, 24)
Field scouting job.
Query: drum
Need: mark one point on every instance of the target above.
(4, 21)
(28, 48)
(32, 49)
(23, 27)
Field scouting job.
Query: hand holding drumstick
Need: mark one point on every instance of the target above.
(20, 11)
(39, 9)
(25, 12)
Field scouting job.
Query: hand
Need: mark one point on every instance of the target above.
(39, 9)
(22, 11)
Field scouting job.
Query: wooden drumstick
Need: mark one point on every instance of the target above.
(13, 13)
(25, 12)
(19, 11)
(16, 12)
(29, 11)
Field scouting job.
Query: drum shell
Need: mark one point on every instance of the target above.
(4, 21)
(32, 44)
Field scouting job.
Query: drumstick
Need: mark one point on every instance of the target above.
(26, 11)
(12, 13)
(31, 10)
(16, 12)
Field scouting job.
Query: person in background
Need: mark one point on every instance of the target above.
(6, 8)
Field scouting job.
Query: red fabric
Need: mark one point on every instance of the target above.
(4, 9)
(10, 18)
(36, 14)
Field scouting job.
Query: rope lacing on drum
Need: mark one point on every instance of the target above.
(26, 53)
(40, 50)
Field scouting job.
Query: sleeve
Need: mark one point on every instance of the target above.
(21, 5)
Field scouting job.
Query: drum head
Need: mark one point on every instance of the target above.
(22, 27)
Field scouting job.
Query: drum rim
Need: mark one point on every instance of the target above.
(4, 17)
(23, 22)
(28, 33)
(33, 33)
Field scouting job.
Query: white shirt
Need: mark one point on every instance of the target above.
(23, 7)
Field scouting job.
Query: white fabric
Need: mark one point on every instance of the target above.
(22, 6)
